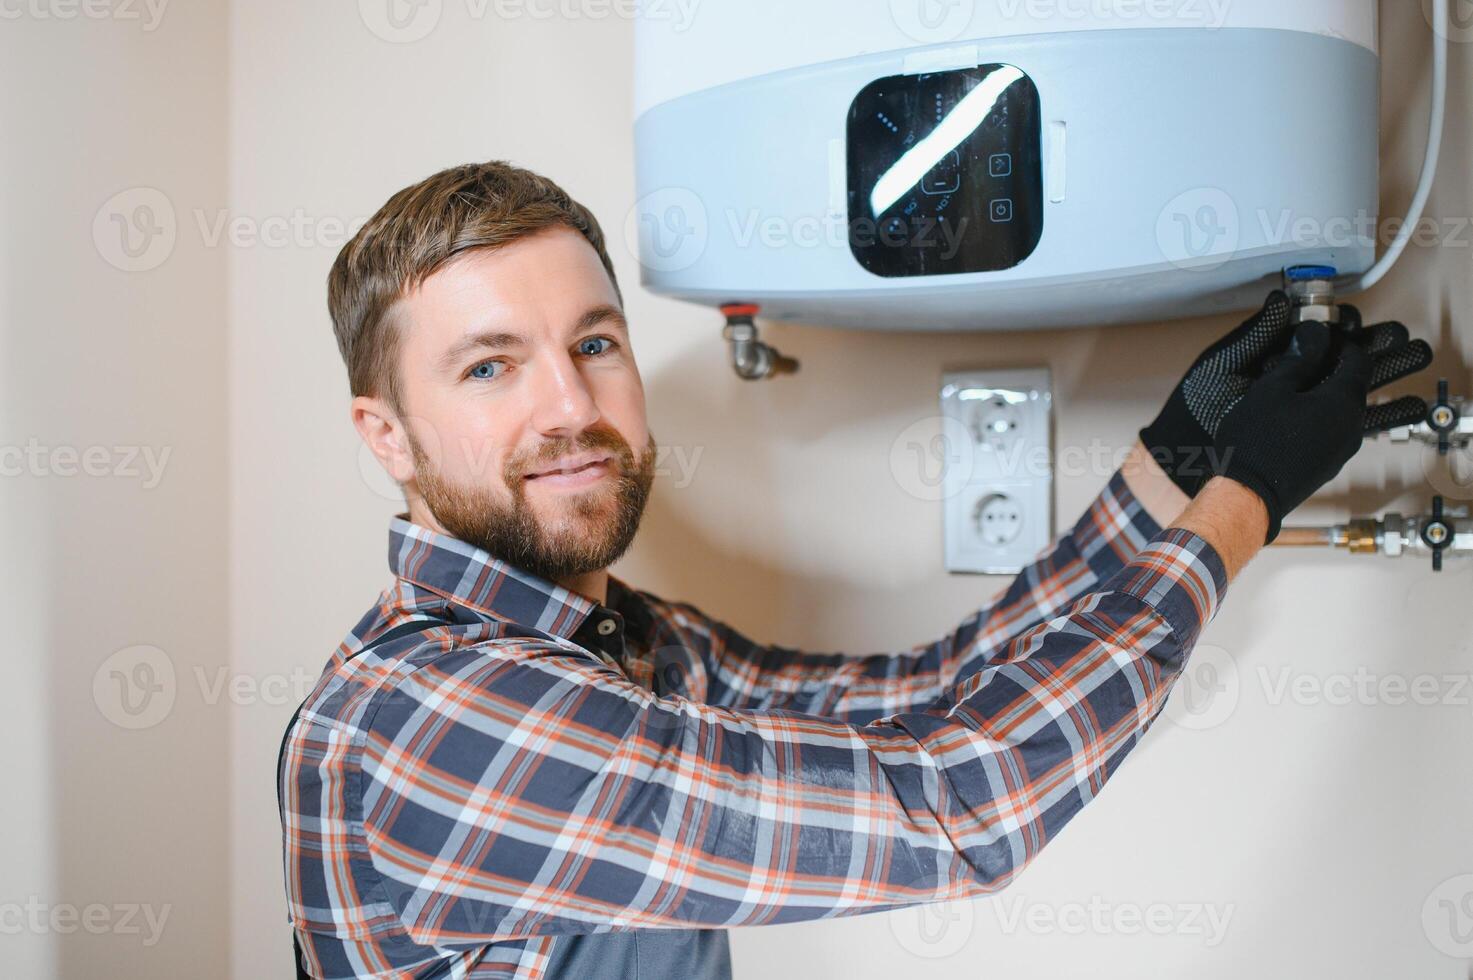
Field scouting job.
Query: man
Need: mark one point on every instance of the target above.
(517, 765)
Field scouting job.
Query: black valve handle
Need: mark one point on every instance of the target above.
(1443, 418)
(1437, 534)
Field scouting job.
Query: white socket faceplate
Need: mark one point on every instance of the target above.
(999, 481)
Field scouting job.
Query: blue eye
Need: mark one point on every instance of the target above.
(484, 371)
(583, 346)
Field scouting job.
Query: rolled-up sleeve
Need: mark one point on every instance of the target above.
(521, 789)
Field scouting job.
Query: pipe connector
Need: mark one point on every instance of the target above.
(752, 359)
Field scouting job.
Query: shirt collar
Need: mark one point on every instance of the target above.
(472, 577)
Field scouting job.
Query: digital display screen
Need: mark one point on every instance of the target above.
(945, 172)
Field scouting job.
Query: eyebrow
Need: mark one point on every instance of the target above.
(503, 340)
(603, 313)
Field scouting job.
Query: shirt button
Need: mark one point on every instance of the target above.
(606, 627)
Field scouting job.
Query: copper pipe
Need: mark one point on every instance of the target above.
(1305, 537)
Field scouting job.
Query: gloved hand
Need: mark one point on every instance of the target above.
(1296, 427)
(1393, 356)
(1182, 438)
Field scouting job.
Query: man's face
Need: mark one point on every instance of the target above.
(523, 407)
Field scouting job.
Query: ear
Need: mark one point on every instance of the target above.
(383, 432)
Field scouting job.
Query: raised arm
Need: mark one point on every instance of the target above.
(1138, 501)
(528, 791)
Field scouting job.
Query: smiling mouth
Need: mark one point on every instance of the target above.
(577, 469)
(573, 471)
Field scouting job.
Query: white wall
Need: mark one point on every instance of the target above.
(103, 825)
(1321, 830)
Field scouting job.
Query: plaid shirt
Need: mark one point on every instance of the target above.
(537, 766)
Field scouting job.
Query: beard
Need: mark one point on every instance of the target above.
(596, 525)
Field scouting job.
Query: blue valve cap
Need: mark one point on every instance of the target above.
(1304, 273)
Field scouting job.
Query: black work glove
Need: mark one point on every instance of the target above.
(1182, 437)
(1393, 356)
(1295, 428)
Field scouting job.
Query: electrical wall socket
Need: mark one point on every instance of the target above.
(998, 483)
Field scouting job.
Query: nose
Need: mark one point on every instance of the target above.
(562, 405)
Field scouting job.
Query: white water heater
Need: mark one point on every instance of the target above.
(968, 164)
